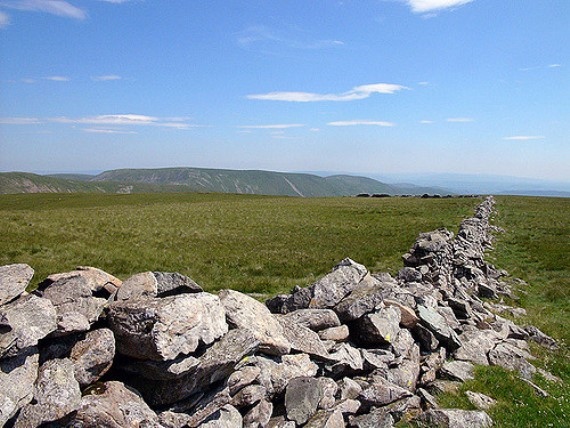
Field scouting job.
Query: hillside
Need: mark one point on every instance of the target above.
(199, 180)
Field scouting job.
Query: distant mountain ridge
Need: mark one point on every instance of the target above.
(202, 180)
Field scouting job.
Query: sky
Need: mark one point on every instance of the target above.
(367, 86)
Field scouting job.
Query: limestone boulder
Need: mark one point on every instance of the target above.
(452, 418)
(162, 328)
(247, 313)
(156, 284)
(93, 356)
(13, 281)
(314, 319)
(24, 322)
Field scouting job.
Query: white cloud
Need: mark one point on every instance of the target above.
(554, 65)
(116, 1)
(4, 20)
(28, 80)
(276, 126)
(114, 120)
(107, 131)
(360, 122)
(460, 119)
(19, 121)
(426, 122)
(58, 78)
(356, 93)
(54, 7)
(524, 137)
(423, 6)
(263, 37)
(106, 78)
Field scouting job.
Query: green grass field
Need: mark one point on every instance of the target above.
(269, 244)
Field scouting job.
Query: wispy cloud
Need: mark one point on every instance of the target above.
(554, 65)
(58, 78)
(460, 119)
(425, 6)
(426, 122)
(524, 137)
(54, 7)
(106, 78)
(275, 126)
(263, 37)
(102, 121)
(360, 123)
(107, 131)
(356, 93)
(19, 121)
(4, 20)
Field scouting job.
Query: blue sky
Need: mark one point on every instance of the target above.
(383, 86)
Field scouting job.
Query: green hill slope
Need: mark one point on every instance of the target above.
(197, 180)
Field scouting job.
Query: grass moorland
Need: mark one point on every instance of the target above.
(269, 244)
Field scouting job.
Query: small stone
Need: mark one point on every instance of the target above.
(481, 401)
(458, 370)
(338, 334)
(302, 396)
(451, 418)
(315, 319)
(13, 281)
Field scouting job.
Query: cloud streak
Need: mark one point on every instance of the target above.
(425, 6)
(4, 20)
(261, 36)
(53, 7)
(275, 126)
(524, 137)
(106, 78)
(58, 78)
(356, 93)
(361, 123)
(460, 119)
(116, 120)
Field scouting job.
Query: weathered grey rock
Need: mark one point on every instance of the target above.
(441, 386)
(458, 370)
(404, 345)
(227, 417)
(259, 415)
(349, 389)
(56, 394)
(425, 338)
(377, 418)
(302, 397)
(17, 377)
(275, 375)
(111, 404)
(93, 356)
(329, 389)
(380, 327)
(280, 422)
(475, 345)
(333, 287)
(326, 419)
(285, 303)
(13, 281)
(338, 334)
(431, 365)
(217, 363)
(245, 312)
(76, 306)
(156, 284)
(161, 370)
(405, 375)
(481, 401)
(249, 396)
(539, 337)
(315, 319)
(363, 299)
(347, 406)
(242, 378)
(347, 360)
(377, 359)
(23, 322)
(163, 328)
(303, 340)
(452, 418)
(382, 392)
(438, 325)
(409, 274)
(408, 318)
(461, 308)
(428, 400)
(98, 281)
(512, 358)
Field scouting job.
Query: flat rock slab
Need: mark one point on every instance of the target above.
(156, 284)
(23, 322)
(315, 319)
(162, 328)
(96, 279)
(111, 404)
(451, 418)
(13, 281)
(458, 370)
(17, 378)
(439, 326)
(93, 356)
(56, 394)
(380, 327)
(246, 312)
(302, 396)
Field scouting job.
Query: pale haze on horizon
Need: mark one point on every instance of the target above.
(372, 87)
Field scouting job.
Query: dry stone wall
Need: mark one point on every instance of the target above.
(353, 349)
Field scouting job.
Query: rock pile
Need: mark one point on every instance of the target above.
(353, 349)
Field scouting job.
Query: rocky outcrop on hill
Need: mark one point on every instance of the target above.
(353, 349)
